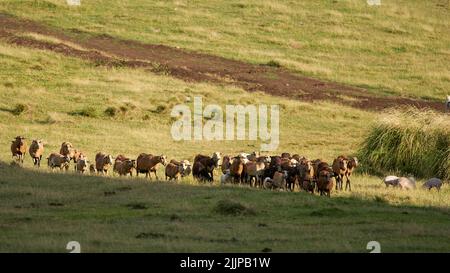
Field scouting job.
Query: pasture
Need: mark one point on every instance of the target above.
(394, 52)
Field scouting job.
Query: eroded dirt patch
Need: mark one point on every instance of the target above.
(197, 67)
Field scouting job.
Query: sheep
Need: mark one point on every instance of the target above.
(391, 180)
(173, 171)
(255, 170)
(67, 149)
(325, 182)
(237, 169)
(226, 177)
(352, 164)
(274, 166)
(433, 183)
(147, 163)
(186, 170)
(226, 163)
(103, 162)
(18, 148)
(92, 169)
(203, 168)
(447, 103)
(58, 160)
(36, 150)
(82, 165)
(340, 169)
(306, 175)
(407, 183)
(123, 165)
(277, 182)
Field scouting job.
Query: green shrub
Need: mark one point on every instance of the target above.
(230, 207)
(111, 111)
(19, 109)
(90, 112)
(409, 141)
(273, 63)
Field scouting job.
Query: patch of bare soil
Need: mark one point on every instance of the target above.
(197, 67)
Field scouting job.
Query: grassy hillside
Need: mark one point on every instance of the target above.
(43, 212)
(59, 92)
(401, 47)
(398, 48)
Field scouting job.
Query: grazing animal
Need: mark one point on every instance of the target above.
(325, 182)
(67, 149)
(226, 177)
(277, 182)
(82, 165)
(175, 169)
(447, 104)
(237, 169)
(18, 148)
(391, 180)
(274, 166)
(352, 164)
(226, 163)
(407, 183)
(92, 169)
(297, 157)
(255, 170)
(58, 161)
(306, 175)
(340, 169)
(433, 183)
(123, 165)
(203, 168)
(36, 150)
(103, 163)
(187, 169)
(148, 163)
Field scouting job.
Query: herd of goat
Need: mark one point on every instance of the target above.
(283, 171)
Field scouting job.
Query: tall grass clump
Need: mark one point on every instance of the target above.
(409, 141)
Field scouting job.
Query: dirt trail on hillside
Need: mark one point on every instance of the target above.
(197, 67)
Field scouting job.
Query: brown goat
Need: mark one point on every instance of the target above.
(237, 169)
(36, 150)
(92, 169)
(81, 165)
(173, 171)
(18, 148)
(306, 175)
(340, 169)
(58, 161)
(148, 163)
(351, 166)
(103, 162)
(124, 165)
(203, 168)
(325, 182)
(67, 149)
(226, 163)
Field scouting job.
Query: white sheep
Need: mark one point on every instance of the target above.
(391, 180)
(226, 177)
(407, 183)
(447, 103)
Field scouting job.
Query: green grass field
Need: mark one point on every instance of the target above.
(42, 212)
(400, 48)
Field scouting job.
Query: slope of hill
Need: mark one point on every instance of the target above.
(400, 47)
(58, 86)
